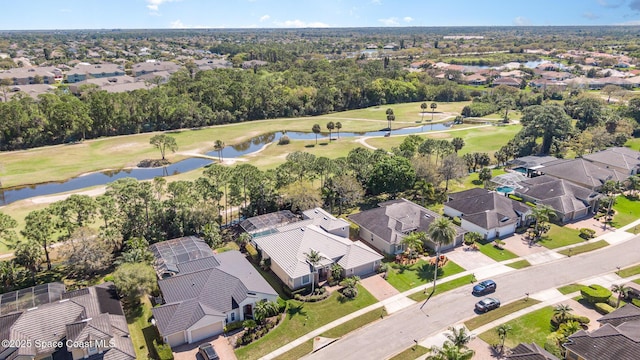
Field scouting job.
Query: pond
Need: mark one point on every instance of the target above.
(10, 195)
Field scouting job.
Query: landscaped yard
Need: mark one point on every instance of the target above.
(571, 288)
(495, 253)
(141, 331)
(584, 248)
(301, 318)
(405, 277)
(440, 288)
(629, 271)
(559, 236)
(627, 210)
(519, 264)
(496, 314)
(532, 327)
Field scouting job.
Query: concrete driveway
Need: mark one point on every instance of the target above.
(378, 287)
(190, 351)
(469, 259)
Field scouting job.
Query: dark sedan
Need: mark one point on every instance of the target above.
(485, 287)
(487, 304)
(207, 352)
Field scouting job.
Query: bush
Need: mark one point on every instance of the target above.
(529, 203)
(350, 292)
(162, 350)
(383, 268)
(456, 220)
(603, 308)
(282, 305)
(233, 326)
(284, 140)
(479, 109)
(587, 234)
(251, 250)
(595, 293)
(313, 297)
(516, 198)
(556, 322)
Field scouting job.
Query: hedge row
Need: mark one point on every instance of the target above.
(595, 293)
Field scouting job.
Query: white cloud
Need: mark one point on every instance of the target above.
(178, 24)
(300, 24)
(629, 23)
(154, 5)
(264, 18)
(521, 21)
(392, 21)
(407, 19)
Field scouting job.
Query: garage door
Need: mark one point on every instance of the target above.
(176, 339)
(206, 331)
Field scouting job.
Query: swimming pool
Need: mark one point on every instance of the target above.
(504, 189)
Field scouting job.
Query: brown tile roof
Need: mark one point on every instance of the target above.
(488, 210)
(584, 172)
(530, 352)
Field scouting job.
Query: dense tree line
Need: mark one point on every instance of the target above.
(195, 99)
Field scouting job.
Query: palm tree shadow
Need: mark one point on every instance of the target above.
(297, 310)
(425, 272)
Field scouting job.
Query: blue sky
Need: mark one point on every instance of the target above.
(106, 14)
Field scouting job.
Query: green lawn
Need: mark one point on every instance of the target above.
(495, 253)
(444, 287)
(627, 210)
(629, 271)
(633, 143)
(302, 318)
(496, 314)
(405, 277)
(584, 248)
(407, 112)
(571, 288)
(141, 331)
(519, 264)
(411, 353)
(532, 327)
(559, 236)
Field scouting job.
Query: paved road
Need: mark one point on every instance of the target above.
(397, 332)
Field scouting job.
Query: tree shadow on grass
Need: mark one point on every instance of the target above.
(323, 144)
(150, 334)
(296, 310)
(425, 272)
(477, 182)
(310, 146)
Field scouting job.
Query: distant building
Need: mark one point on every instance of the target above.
(154, 66)
(29, 76)
(83, 72)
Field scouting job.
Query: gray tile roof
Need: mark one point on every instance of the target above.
(96, 328)
(288, 249)
(487, 209)
(530, 352)
(236, 265)
(607, 342)
(563, 196)
(176, 317)
(532, 161)
(620, 157)
(628, 312)
(581, 171)
(325, 220)
(394, 219)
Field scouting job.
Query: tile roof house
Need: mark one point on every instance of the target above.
(203, 291)
(491, 214)
(621, 159)
(386, 226)
(27, 76)
(154, 66)
(570, 201)
(531, 351)
(87, 71)
(287, 248)
(83, 324)
(506, 81)
(584, 173)
(609, 341)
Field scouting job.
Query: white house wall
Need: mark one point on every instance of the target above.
(375, 241)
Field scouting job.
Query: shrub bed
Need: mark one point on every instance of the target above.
(233, 326)
(587, 234)
(603, 308)
(595, 293)
(556, 322)
(318, 294)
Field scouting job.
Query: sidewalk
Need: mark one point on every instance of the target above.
(400, 301)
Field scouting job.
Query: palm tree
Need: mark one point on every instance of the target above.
(621, 290)
(460, 337)
(313, 258)
(423, 106)
(561, 312)
(449, 351)
(330, 127)
(569, 328)
(441, 232)
(503, 330)
(458, 143)
(541, 214)
(219, 146)
(414, 241)
(338, 127)
(433, 107)
(316, 130)
(390, 117)
(263, 309)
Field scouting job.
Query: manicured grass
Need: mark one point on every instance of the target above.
(532, 327)
(584, 248)
(571, 288)
(495, 253)
(627, 210)
(302, 318)
(519, 264)
(629, 271)
(637, 281)
(496, 314)
(411, 353)
(559, 236)
(444, 287)
(405, 277)
(297, 352)
(141, 332)
(227, 247)
(407, 112)
(633, 143)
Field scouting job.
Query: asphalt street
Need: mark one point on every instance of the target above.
(398, 331)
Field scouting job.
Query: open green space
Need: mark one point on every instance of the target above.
(496, 314)
(571, 288)
(519, 264)
(406, 112)
(559, 236)
(532, 327)
(584, 248)
(338, 331)
(627, 210)
(411, 353)
(495, 253)
(629, 271)
(405, 277)
(141, 331)
(301, 318)
(487, 139)
(444, 287)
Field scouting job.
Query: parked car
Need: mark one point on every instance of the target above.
(207, 352)
(487, 304)
(485, 287)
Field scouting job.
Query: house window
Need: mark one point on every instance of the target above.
(233, 317)
(305, 280)
(93, 349)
